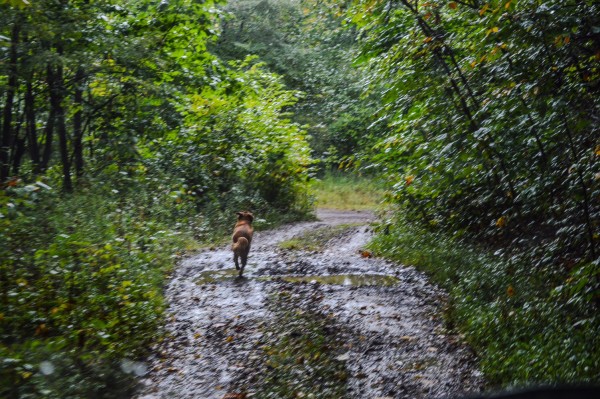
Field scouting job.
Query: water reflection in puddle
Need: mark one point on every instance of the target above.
(354, 280)
(214, 276)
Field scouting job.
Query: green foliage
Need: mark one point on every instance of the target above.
(527, 325)
(492, 112)
(305, 43)
(81, 280)
(238, 150)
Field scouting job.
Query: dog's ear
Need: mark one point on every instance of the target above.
(239, 214)
(250, 216)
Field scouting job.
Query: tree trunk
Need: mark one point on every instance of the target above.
(57, 90)
(49, 129)
(19, 148)
(78, 122)
(7, 140)
(31, 134)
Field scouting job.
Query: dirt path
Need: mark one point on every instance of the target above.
(371, 329)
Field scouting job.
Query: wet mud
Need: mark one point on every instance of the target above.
(332, 323)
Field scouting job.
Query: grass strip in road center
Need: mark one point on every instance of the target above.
(302, 351)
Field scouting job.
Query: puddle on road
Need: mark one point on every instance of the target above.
(353, 280)
(215, 276)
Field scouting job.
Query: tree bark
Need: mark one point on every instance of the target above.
(49, 129)
(57, 90)
(7, 140)
(78, 122)
(30, 128)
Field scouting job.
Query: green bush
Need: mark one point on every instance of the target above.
(528, 325)
(81, 279)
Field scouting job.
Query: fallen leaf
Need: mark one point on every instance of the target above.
(366, 254)
(501, 222)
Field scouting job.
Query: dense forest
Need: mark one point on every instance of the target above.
(131, 131)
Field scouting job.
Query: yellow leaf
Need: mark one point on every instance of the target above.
(495, 29)
(597, 151)
(507, 5)
(409, 179)
(229, 339)
(26, 374)
(452, 5)
(428, 39)
(510, 291)
(484, 9)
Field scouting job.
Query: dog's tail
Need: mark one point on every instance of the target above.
(241, 244)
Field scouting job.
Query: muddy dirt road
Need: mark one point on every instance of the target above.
(324, 323)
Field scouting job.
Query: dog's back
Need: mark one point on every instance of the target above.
(242, 238)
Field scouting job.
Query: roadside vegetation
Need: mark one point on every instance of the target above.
(492, 159)
(527, 325)
(131, 131)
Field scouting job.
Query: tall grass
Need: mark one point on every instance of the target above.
(347, 192)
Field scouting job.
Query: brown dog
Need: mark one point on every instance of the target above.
(242, 237)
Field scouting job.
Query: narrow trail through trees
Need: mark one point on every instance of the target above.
(375, 328)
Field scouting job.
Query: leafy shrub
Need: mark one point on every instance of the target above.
(528, 325)
(81, 280)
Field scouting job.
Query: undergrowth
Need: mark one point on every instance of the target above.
(81, 279)
(528, 325)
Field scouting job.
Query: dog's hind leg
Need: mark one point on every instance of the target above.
(244, 260)
(235, 259)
